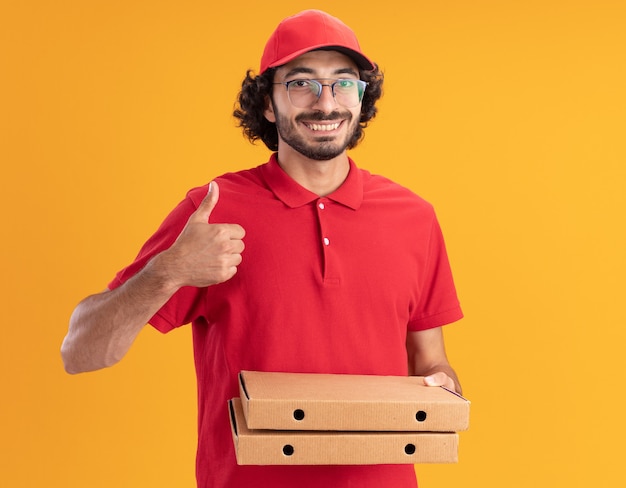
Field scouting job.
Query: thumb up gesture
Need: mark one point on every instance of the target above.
(204, 254)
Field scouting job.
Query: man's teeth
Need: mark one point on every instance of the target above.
(323, 127)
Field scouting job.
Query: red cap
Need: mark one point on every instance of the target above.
(307, 31)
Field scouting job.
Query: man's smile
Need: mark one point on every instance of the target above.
(322, 127)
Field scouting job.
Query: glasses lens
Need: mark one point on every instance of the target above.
(348, 93)
(303, 93)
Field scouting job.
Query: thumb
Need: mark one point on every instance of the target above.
(203, 212)
(436, 379)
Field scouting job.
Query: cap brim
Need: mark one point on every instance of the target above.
(360, 59)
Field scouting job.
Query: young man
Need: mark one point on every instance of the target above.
(343, 271)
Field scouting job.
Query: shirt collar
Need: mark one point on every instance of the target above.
(287, 190)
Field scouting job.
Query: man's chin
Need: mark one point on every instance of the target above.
(322, 153)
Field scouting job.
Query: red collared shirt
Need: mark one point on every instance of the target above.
(327, 285)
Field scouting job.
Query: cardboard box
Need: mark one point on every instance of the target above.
(264, 447)
(298, 401)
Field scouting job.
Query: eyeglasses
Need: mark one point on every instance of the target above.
(306, 92)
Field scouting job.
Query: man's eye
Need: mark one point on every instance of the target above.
(300, 83)
(346, 83)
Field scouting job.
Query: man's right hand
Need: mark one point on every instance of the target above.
(104, 326)
(204, 254)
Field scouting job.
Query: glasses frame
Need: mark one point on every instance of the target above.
(318, 81)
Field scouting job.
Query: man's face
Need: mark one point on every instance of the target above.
(323, 130)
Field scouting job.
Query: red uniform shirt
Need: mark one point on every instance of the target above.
(327, 285)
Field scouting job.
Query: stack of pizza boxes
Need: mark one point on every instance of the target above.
(298, 418)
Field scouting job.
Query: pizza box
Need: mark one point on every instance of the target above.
(334, 402)
(288, 447)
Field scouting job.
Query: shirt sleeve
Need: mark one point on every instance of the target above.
(185, 305)
(438, 304)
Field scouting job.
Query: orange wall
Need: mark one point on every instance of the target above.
(507, 115)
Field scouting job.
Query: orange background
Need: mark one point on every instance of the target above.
(508, 116)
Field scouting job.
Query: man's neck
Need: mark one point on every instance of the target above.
(319, 177)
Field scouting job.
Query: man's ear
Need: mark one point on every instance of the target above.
(269, 110)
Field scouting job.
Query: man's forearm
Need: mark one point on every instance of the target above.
(104, 326)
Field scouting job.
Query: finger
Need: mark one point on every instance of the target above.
(439, 379)
(235, 231)
(236, 245)
(203, 212)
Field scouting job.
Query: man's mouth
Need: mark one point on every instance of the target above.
(323, 127)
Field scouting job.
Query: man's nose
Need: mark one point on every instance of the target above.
(326, 101)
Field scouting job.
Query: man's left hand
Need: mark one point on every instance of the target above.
(440, 379)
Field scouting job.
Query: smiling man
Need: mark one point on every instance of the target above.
(324, 114)
(305, 263)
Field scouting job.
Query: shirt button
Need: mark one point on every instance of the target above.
(321, 206)
(326, 241)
